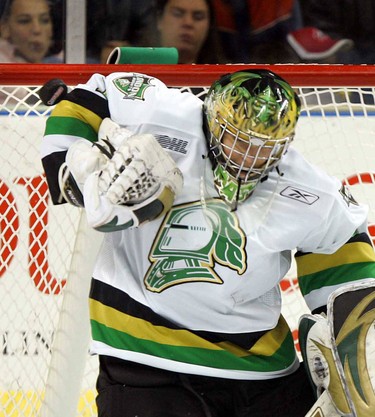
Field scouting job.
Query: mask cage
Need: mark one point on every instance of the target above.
(245, 156)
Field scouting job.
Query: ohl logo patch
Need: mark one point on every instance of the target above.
(134, 87)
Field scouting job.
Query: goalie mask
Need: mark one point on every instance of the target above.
(250, 119)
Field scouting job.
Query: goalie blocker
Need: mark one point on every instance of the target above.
(339, 352)
(123, 180)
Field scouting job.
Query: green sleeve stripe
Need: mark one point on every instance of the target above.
(220, 359)
(335, 276)
(67, 108)
(58, 125)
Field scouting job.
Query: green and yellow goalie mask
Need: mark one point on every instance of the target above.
(250, 120)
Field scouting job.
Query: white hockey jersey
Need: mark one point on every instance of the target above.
(198, 290)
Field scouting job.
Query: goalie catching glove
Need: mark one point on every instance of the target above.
(126, 179)
(83, 158)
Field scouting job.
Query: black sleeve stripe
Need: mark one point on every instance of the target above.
(90, 101)
(358, 237)
(51, 165)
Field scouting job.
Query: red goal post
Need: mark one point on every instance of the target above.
(311, 75)
(46, 252)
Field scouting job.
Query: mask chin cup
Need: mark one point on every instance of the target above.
(219, 183)
(233, 191)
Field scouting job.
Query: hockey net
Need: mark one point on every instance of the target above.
(47, 252)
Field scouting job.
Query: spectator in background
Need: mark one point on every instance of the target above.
(112, 23)
(26, 32)
(271, 31)
(227, 31)
(190, 26)
(255, 31)
(354, 19)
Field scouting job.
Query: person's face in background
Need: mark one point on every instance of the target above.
(29, 29)
(184, 24)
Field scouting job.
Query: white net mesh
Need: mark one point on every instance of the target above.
(37, 244)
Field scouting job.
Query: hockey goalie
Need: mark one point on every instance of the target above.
(203, 205)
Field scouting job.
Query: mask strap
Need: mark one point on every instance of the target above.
(237, 194)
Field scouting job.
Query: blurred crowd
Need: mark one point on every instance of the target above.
(203, 31)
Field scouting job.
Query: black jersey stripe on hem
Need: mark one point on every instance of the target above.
(119, 300)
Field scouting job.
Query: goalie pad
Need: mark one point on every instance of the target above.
(138, 184)
(339, 352)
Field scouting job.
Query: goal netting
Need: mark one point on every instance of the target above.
(47, 253)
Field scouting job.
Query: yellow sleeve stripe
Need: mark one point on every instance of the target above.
(350, 253)
(69, 109)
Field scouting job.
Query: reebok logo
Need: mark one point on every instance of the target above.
(299, 195)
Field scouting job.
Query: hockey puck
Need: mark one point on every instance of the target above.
(53, 91)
